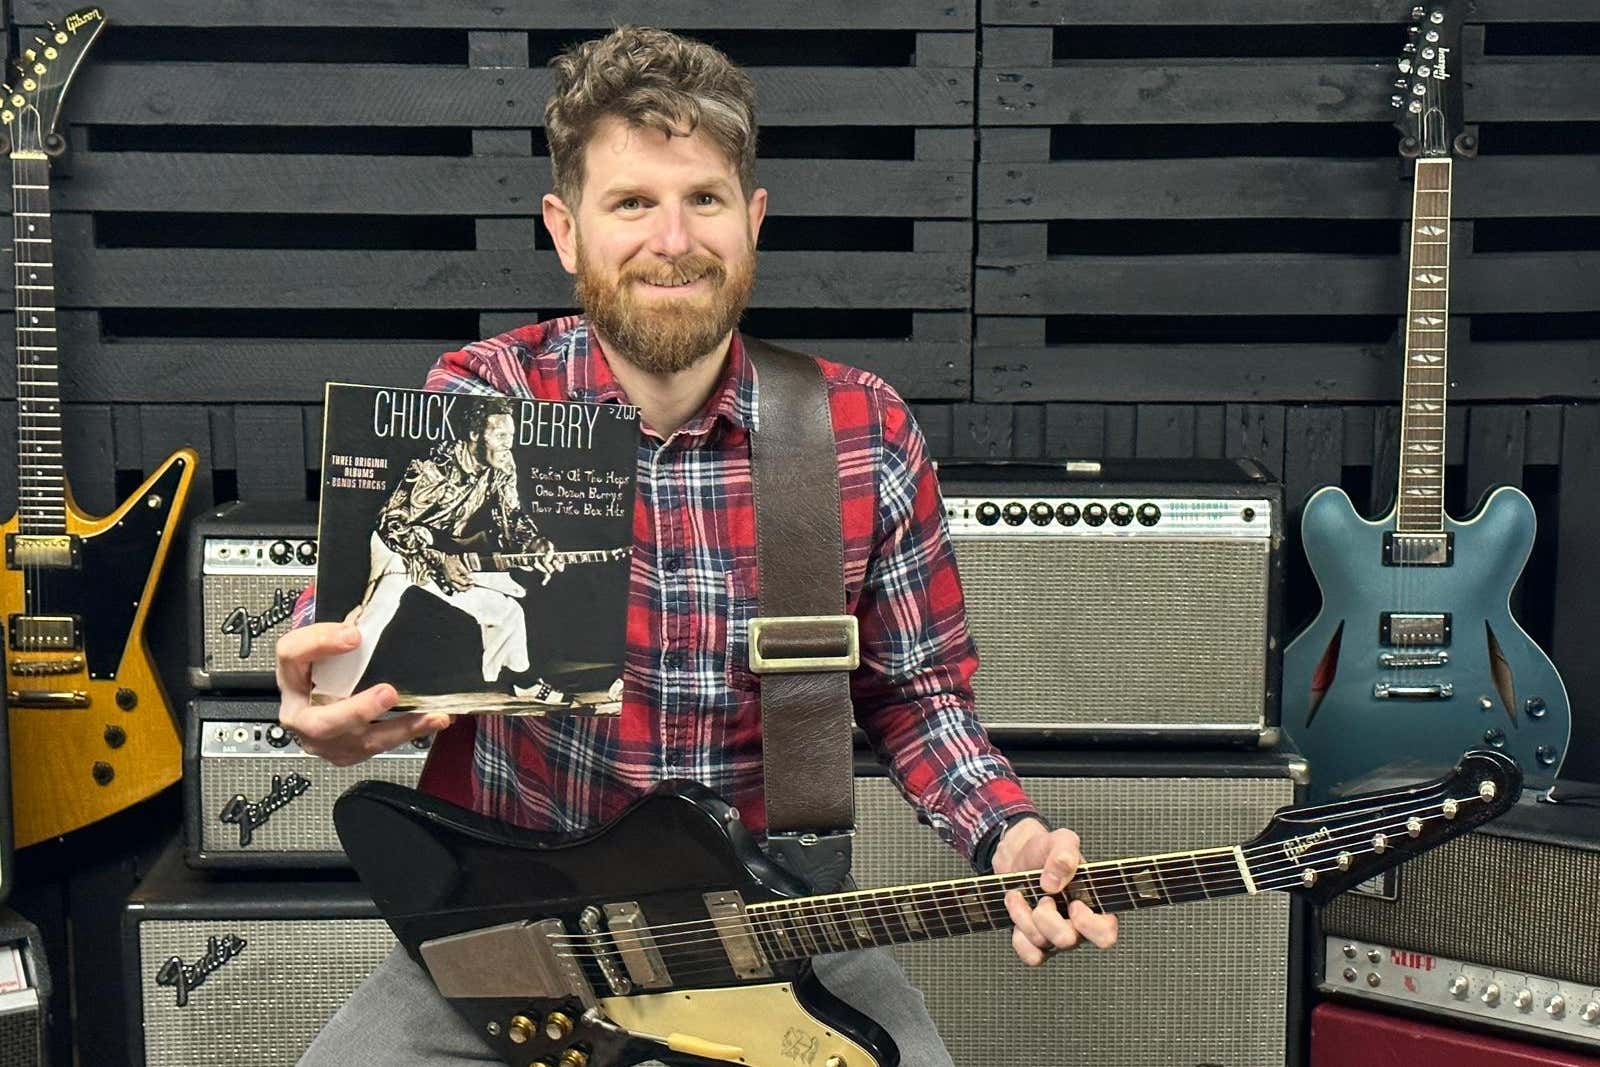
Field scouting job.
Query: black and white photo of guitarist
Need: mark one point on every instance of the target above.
(460, 498)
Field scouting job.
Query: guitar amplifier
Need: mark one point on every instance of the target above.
(1213, 982)
(1342, 1036)
(1498, 927)
(24, 993)
(1124, 601)
(221, 971)
(254, 798)
(248, 564)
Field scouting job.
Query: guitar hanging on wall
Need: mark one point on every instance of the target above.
(1415, 650)
(91, 729)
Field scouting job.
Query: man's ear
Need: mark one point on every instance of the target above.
(563, 230)
(758, 211)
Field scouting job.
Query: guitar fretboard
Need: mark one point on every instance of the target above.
(41, 489)
(1422, 425)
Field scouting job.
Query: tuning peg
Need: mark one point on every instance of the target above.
(1405, 66)
(1410, 47)
(1414, 30)
(1400, 83)
(1418, 11)
(1415, 107)
(39, 40)
(1436, 18)
(1396, 100)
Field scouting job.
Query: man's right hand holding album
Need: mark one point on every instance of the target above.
(345, 731)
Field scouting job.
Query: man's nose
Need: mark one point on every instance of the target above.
(671, 237)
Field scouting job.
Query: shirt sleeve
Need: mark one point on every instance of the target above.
(913, 690)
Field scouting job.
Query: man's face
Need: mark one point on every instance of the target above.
(662, 243)
(494, 443)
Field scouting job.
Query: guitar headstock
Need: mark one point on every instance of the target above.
(1428, 91)
(40, 75)
(1325, 849)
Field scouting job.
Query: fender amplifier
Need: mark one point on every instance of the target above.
(1498, 927)
(1122, 601)
(1342, 1036)
(222, 972)
(24, 993)
(254, 798)
(248, 563)
(1213, 982)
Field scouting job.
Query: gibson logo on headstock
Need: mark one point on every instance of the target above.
(249, 627)
(79, 19)
(1439, 64)
(187, 976)
(250, 814)
(1296, 847)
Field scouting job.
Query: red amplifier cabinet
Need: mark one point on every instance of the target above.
(1342, 1036)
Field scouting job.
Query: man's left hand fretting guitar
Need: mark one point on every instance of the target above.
(91, 731)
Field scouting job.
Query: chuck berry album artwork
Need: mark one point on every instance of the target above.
(481, 546)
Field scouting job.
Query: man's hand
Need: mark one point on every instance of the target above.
(1041, 931)
(449, 572)
(343, 732)
(545, 562)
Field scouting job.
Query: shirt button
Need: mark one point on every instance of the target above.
(672, 660)
(671, 561)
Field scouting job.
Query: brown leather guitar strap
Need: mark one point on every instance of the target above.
(801, 644)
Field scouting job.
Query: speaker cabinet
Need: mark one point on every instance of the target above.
(24, 993)
(222, 971)
(1126, 603)
(248, 564)
(1343, 1036)
(254, 799)
(1213, 982)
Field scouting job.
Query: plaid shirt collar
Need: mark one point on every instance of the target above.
(589, 378)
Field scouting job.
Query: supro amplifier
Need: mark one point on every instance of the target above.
(1122, 601)
(1343, 1036)
(1498, 927)
(1215, 982)
(222, 971)
(254, 798)
(248, 563)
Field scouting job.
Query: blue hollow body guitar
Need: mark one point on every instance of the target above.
(1415, 655)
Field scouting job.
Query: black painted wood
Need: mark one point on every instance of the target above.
(1181, 13)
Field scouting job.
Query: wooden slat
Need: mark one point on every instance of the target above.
(1496, 446)
(165, 428)
(983, 431)
(321, 94)
(1255, 431)
(270, 451)
(532, 14)
(1502, 89)
(1385, 459)
(1493, 186)
(1180, 13)
(1075, 431)
(1282, 283)
(1313, 452)
(1577, 578)
(8, 434)
(1529, 370)
(88, 444)
(1164, 431)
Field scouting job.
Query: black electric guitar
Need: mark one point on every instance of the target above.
(91, 732)
(669, 929)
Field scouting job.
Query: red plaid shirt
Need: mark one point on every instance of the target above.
(690, 705)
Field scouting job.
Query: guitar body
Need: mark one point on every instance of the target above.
(436, 870)
(1503, 691)
(91, 729)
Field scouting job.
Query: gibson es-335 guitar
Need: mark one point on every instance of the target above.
(91, 731)
(670, 929)
(1415, 650)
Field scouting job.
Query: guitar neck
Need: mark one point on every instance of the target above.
(504, 561)
(42, 505)
(1422, 425)
(839, 922)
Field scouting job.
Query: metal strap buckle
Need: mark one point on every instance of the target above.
(789, 644)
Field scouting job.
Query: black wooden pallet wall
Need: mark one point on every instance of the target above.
(1061, 227)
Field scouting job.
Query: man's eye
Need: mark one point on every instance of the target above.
(632, 203)
(706, 199)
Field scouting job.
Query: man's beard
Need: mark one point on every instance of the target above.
(665, 336)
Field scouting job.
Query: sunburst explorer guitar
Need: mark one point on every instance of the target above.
(669, 929)
(1415, 651)
(91, 731)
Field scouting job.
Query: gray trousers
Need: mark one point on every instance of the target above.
(396, 1018)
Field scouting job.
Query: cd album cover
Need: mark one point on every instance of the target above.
(481, 544)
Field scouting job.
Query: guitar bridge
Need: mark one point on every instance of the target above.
(46, 633)
(38, 668)
(48, 551)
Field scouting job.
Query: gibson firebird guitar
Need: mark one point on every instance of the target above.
(91, 732)
(1415, 649)
(669, 932)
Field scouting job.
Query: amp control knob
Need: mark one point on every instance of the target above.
(1149, 514)
(1556, 1006)
(1590, 1012)
(1095, 514)
(1067, 514)
(1015, 514)
(1041, 514)
(1491, 994)
(1121, 513)
(1523, 999)
(306, 552)
(277, 736)
(988, 513)
(1459, 986)
(280, 552)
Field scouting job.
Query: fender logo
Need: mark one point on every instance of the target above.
(1296, 847)
(250, 814)
(78, 19)
(800, 1046)
(187, 976)
(249, 627)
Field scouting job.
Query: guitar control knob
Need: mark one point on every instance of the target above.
(1149, 514)
(1491, 994)
(520, 1030)
(1556, 1006)
(1523, 999)
(1459, 986)
(1590, 1012)
(1015, 514)
(557, 1025)
(277, 736)
(1536, 707)
(280, 552)
(1546, 755)
(988, 513)
(306, 552)
(1121, 513)
(1041, 514)
(574, 1058)
(1067, 514)
(1095, 514)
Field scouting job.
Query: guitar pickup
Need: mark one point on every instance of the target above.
(45, 633)
(49, 551)
(1410, 660)
(637, 946)
(1413, 629)
(1419, 550)
(1437, 691)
